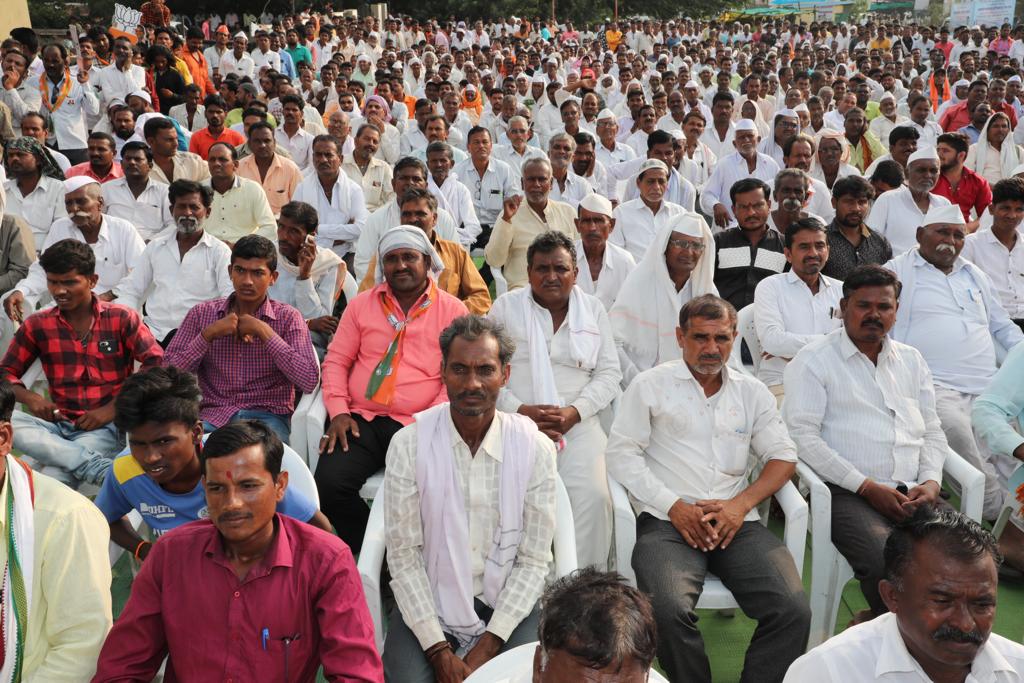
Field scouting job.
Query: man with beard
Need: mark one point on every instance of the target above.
(122, 120)
(34, 191)
(850, 241)
(864, 146)
(667, 458)
(179, 269)
(308, 277)
(799, 153)
(795, 308)
(136, 197)
(941, 580)
(792, 190)
(960, 185)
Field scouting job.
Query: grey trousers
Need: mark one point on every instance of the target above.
(405, 661)
(859, 532)
(758, 570)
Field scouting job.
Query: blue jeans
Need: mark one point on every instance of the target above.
(279, 424)
(67, 453)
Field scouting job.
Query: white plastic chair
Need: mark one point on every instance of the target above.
(515, 665)
(745, 326)
(299, 439)
(135, 519)
(715, 595)
(830, 571)
(371, 557)
(299, 476)
(500, 283)
(311, 420)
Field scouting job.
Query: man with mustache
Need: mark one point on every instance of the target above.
(861, 409)
(462, 596)
(792, 192)
(681, 445)
(940, 585)
(382, 367)
(954, 305)
(897, 213)
(138, 198)
(565, 370)
(850, 241)
(179, 269)
(249, 593)
(795, 308)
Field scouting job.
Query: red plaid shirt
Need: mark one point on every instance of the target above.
(82, 378)
(155, 15)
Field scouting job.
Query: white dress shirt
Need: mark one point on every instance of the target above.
(720, 148)
(490, 191)
(852, 420)
(40, 208)
(180, 114)
(576, 188)
(515, 160)
(455, 197)
(117, 251)
(670, 442)
(730, 169)
(342, 217)
(69, 119)
(616, 264)
(388, 217)
(150, 212)
(300, 146)
(587, 390)
(312, 298)
(479, 477)
(269, 59)
(114, 84)
(875, 652)
(170, 284)
(1005, 267)
(896, 216)
(788, 316)
(241, 66)
(636, 224)
(22, 100)
(960, 311)
(679, 191)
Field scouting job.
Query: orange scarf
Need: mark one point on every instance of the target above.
(933, 94)
(44, 90)
(381, 386)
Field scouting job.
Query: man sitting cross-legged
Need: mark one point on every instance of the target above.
(88, 347)
(469, 516)
(160, 475)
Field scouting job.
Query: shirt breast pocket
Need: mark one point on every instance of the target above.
(492, 199)
(732, 437)
(908, 416)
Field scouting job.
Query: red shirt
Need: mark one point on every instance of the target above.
(1007, 109)
(203, 140)
(85, 168)
(973, 192)
(82, 378)
(955, 118)
(188, 602)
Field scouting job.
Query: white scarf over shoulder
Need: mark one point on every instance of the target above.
(446, 545)
(646, 312)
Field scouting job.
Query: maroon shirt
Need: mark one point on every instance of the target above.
(188, 602)
(973, 192)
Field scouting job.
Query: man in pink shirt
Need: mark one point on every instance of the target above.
(101, 166)
(382, 367)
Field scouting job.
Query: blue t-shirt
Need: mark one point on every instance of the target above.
(128, 487)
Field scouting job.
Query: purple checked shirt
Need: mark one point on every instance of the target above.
(234, 375)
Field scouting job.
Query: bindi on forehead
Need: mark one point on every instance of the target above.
(229, 476)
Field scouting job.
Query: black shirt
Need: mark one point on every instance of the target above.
(844, 257)
(739, 265)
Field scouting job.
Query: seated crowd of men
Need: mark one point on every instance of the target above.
(525, 243)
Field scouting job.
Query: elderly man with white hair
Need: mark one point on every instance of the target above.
(897, 214)
(745, 162)
(678, 265)
(950, 312)
(639, 219)
(564, 372)
(603, 266)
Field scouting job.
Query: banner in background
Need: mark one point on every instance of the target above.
(989, 13)
(125, 21)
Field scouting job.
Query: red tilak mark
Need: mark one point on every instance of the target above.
(230, 478)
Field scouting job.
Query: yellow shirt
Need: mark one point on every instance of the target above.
(509, 241)
(70, 612)
(376, 182)
(460, 278)
(613, 38)
(241, 211)
(283, 177)
(187, 166)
